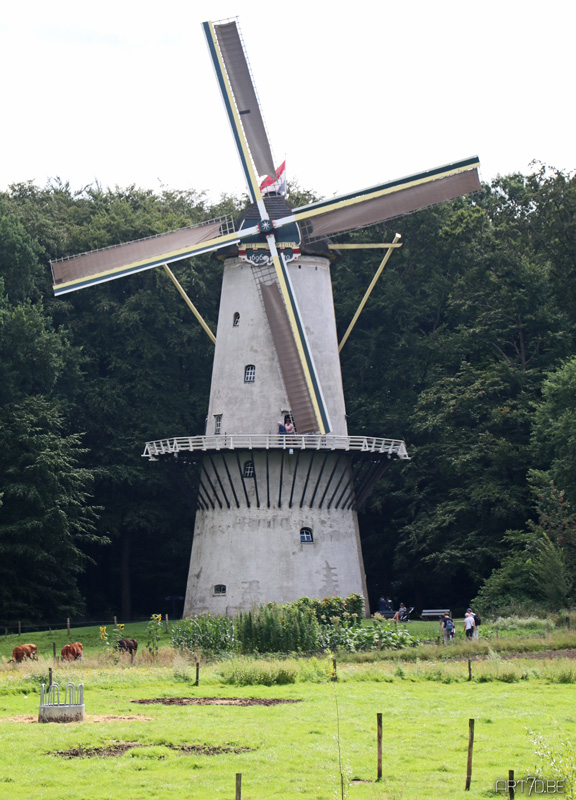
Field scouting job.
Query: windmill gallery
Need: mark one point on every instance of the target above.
(277, 508)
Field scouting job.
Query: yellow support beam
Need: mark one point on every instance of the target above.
(189, 303)
(369, 290)
(383, 246)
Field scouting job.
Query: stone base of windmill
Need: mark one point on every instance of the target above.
(52, 710)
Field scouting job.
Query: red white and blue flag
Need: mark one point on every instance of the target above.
(275, 184)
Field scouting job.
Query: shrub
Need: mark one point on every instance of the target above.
(327, 607)
(515, 623)
(345, 635)
(276, 629)
(556, 759)
(206, 633)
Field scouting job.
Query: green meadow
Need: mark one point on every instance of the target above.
(321, 747)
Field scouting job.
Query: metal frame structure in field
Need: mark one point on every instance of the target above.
(276, 359)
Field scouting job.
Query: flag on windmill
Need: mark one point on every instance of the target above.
(277, 184)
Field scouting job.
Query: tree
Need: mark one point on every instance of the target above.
(540, 567)
(554, 429)
(45, 518)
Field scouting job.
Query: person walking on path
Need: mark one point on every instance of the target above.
(448, 628)
(469, 625)
(476, 623)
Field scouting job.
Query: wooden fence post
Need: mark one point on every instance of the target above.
(379, 739)
(54, 650)
(334, 672)
(238, 786)
(511, 783)
(19, 628)
(115, 621)
(469, 670)
(49, 677)
(197, 683)
(470, 748)
(68, 625)
(167, 631)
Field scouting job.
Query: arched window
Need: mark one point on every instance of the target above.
(236, 319)
(306, 536)
(220, 588)
(248, 470)
(249, 373)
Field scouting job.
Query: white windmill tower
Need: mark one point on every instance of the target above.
(277, 512)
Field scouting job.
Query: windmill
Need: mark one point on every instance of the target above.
(277, 511)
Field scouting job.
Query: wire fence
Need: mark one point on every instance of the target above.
(19, 627)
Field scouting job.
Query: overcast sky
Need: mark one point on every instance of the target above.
(354, 93)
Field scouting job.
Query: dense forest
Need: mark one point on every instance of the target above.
(467, 350)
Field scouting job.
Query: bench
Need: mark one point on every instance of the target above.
(434, 613)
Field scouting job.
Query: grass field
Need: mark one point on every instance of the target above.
(295, 750)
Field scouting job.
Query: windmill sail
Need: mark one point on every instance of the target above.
(99, 266)
(301, 406)
(387, 200)
(241, 101)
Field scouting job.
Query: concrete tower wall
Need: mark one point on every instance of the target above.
(258, 557)
(256, 407)
(247, 544)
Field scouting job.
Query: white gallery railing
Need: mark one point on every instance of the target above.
(275, 441)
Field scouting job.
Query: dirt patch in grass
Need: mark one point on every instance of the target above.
(216, 701)
(119, 748)
(204, 750)
(112, 749)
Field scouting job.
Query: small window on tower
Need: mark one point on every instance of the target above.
(248, 471)
(306, 535)
(236, 320)
(220, 588)
(217, 424)
(249, 373)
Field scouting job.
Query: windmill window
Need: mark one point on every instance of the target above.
(249, 373)
(220, 588)
(236, 320)
(306, 536)
(248, 471)
(217, 424)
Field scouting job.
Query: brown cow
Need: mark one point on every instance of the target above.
(127, 645)
(23, 651)
(72, 652)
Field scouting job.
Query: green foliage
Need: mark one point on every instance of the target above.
(46, 518)
(554, 429)
(276, 629)
(153, 631)
(556, 759)
(465, 349)
(205, 634)
(343, 634)
(541, 567)
(515, 623)
(324, 608)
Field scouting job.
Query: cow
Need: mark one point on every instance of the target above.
(72, 652)
(23, 651)
(127, 645)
